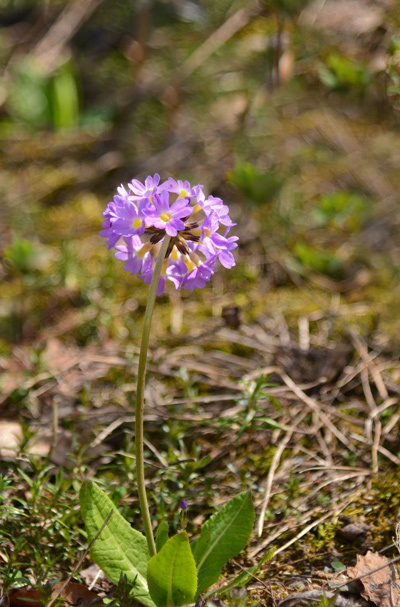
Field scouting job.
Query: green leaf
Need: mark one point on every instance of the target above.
(65, 98)
(161, 535)
(171, 574)
(119, 548)
(223, 536)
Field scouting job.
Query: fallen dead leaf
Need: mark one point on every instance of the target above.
(73, 594)
(381, 587)
(92, 575)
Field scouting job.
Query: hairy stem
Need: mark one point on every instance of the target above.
(144, 508)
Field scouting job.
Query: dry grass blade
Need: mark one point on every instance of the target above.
(50, 49)
(381, 449)
(303, 532)
(228, 29)
(315, 407)
(274, 465)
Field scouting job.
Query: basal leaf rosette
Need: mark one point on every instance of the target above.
(139, 217)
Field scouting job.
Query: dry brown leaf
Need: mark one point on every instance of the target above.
(381, 587)
(92, 575)
(72, 594)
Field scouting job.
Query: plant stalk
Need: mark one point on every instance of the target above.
(144, 508)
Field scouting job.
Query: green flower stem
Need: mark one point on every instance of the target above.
(144, 508)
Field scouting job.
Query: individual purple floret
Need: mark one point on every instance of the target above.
(136, 255)
(145, 190)
(183, 505)
(131, 218)
(197, 226)
(182, 188)
(168, 218)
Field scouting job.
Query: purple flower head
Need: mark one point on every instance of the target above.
(183, 505)
(197, 226)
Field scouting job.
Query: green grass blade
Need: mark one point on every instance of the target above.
(246, 576)
(119, 548)
(171, 574)
(223, 536)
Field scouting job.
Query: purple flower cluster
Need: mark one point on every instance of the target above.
(145, 213)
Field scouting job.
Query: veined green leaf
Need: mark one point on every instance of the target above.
(223, 536)
(171, 574)
(119, 548)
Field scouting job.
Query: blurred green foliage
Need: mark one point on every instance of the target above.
(258, 187)
(393, 69)
(309, 258)
(342, 73)
(41, 100)
(341, 209)
(25, 256)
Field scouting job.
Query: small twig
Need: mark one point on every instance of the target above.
(50, 48)
(110, 428)
(304, 333)
(381, 449)
(54, 425)
(373, 419)
(82, 558)
(96, 577)
(219, 37)
(249, 573)
(372, 368)
(158, 455)
(391, 423)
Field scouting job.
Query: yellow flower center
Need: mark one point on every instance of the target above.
(196, 209)
(183, 194)
(165, 217)
(207, 232)
(164, 267)
(137, 223)
(189, 263)
(144, 249)
(174, 253)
